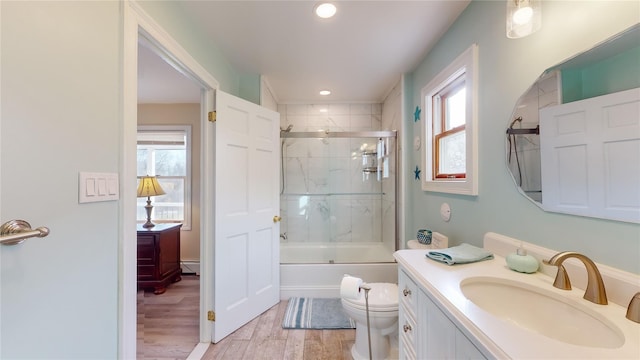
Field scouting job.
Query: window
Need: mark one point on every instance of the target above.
(165, 151)
(450, 153)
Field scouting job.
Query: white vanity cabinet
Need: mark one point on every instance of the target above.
(407, 315)
(438, 320)
(425, 330)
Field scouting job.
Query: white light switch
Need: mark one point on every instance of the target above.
(102, 187)
(93, 187)
(113, 186)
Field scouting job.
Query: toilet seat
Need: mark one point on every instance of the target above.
(383, 297)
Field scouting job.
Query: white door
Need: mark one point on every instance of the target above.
(590, 151)
(246, 250)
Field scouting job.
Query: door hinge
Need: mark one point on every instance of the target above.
(212, 116)
(211, 315)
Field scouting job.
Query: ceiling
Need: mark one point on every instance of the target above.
(359, 54)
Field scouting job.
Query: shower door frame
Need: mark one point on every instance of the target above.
(360, 134)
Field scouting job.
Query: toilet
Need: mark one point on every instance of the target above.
(383, 317)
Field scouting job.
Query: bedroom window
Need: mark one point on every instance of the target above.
(450, 154)
(165, 151)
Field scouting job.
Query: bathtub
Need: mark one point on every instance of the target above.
(318, 268)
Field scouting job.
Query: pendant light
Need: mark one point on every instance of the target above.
(523, 17)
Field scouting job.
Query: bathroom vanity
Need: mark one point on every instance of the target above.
(484, 310)
(426, 332)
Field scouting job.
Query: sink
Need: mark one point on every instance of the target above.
(541, 311)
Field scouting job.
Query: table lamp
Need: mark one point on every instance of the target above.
(149, 187)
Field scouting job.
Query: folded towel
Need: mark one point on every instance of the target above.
(461, 254)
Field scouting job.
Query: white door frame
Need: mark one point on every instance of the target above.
(0, 163)
(137, 23)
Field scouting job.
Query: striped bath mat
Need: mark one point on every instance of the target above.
(316, 313)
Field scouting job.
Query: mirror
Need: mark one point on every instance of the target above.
(559, 176)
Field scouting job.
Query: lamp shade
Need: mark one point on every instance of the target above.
(149, 186)
(523, 17)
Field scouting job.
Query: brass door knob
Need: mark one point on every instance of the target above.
(276, 219)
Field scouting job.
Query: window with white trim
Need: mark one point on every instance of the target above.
(450, 128)
(165, 151)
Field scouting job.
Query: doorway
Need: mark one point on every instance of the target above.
(138, 25)
(169, 132)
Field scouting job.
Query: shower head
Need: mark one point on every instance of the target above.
(518, 119)
(287, 129)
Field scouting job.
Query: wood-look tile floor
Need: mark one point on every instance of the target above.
(264, 338)
(168, 329)
(168, 326)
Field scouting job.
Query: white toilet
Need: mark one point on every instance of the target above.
(383, 317)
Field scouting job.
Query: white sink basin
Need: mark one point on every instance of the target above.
(542, 311)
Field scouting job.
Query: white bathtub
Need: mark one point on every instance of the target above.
(322, 279)
(330, 253)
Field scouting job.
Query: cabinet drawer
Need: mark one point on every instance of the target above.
(146, 240)
(146, 250)
(406, 351)
(146, 272)
(408, 293)
(146, 255)
(407, 331)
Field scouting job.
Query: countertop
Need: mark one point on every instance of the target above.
(497, 338)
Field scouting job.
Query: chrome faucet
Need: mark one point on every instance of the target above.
(595, 286)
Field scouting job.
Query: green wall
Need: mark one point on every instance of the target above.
(507, 67)
(171, 16)
(249, 87)
(61, 114)
(617, 73)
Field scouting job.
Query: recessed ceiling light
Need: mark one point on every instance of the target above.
(325, 92)
(325, 10)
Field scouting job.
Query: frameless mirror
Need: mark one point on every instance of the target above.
(573, 140)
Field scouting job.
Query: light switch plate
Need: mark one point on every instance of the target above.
(94, 187)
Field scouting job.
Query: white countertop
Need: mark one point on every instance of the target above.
(499, 338)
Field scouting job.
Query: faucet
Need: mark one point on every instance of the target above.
(633, 311)
(595, 286)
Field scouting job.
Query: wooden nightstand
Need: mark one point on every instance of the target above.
(158, 256)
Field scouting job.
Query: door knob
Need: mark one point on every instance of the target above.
(16, 231)
(276, 219)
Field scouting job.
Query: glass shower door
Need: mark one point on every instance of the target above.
(338, 197)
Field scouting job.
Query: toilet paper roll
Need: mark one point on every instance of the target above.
(350, 287)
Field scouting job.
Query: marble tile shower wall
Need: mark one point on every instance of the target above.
(325, 197)
(391, 120)
(526, 168)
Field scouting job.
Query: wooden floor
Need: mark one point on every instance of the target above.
(168, 329)
(264, 338)
(168, 326)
